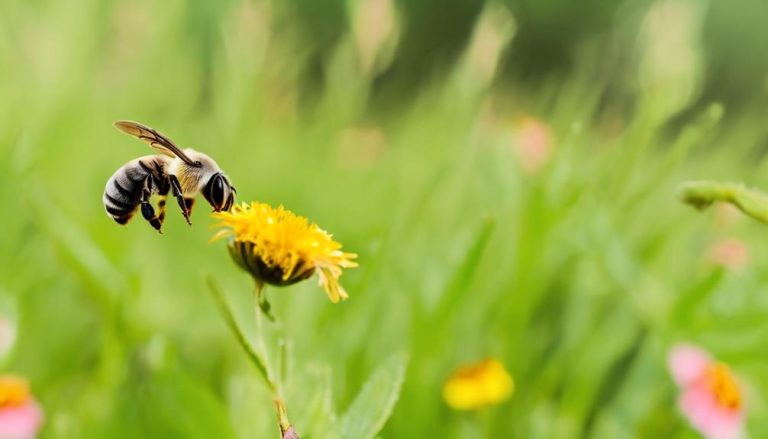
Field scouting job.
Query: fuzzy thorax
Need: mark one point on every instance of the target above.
(191, 178)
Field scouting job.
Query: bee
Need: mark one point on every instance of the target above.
(183, 173)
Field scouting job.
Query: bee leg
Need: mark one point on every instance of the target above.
(146, 208)
(176, 190)
(149, 214)
(164, 188)
(189, 203)
(161, 208)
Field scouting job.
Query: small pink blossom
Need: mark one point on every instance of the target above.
(729, 253)
(710, 398)
(290, 434)
(535, 144)
(20, 422)
(20, 416)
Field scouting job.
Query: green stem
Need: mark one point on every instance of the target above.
(701, 194)
(261, 344)
(260, 360)
(229, 318)
(282, 368)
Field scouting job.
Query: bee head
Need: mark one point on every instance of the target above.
(219, 193)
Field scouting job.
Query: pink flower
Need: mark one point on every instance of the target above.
(20, 416)
(711, 397)
(535, 144)
(729, 253)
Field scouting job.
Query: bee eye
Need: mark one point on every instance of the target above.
(217, 190)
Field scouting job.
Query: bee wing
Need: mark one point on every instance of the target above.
(155, 139)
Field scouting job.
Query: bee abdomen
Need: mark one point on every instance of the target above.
(122, 194)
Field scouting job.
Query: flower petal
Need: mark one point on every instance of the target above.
(700, 406)
(21, 422)
(687, 363)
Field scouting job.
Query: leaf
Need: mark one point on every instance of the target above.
(371, 408)
(457, 287)
(175, 405)
(696, 294)
(87, 258)
(229, 318)
(311, 403)
(615, 378)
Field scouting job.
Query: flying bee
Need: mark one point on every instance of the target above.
(184, 173)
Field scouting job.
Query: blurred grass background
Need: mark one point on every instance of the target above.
(395, 125)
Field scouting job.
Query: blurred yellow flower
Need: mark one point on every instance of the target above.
(280, 248)
(479, 385)
(14, 391)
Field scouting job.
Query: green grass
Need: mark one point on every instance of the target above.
(578, 278)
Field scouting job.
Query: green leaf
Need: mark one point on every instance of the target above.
(175, 405)
(696, 294)
(457, 288)
(229, 318)
(370, 410)
(311, 403)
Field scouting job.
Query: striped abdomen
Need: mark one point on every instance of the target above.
(123, 192)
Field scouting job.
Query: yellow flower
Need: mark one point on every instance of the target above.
(479, 385)
(280, 248)
(14, 391)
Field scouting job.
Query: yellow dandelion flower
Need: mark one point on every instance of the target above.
(479, 385)
(280, 248)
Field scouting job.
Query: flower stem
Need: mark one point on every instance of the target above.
(229, 318)
(286, 429)
(261, 344)
(259, 359)
(702, 194)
